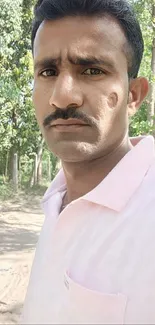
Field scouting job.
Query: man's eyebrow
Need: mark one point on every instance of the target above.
(90, 60)
(46, 63)
(78, 60)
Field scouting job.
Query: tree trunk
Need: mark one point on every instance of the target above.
(35, 169)
(6, 164)
(49, 168)
(39, 172)
(11, 162)
(15, 172)
(38, 158)
(13, 149)
(19, 171)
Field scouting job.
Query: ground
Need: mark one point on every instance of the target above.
(20, 224)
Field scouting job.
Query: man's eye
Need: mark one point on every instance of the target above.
(93, 71)
(48, 73)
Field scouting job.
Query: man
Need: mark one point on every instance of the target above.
(95, 260)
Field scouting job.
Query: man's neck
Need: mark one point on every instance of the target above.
(82, 177)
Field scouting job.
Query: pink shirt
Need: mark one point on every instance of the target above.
(95, 262)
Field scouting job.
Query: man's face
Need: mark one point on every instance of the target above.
(81, 82)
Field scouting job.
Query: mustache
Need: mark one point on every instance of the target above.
(66, 114)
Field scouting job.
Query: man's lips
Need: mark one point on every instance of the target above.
(69, 125)
(69, 122)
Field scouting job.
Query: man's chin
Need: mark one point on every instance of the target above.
(72, 152)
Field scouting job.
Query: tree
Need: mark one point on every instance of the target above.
(19, 131)
(142, 122)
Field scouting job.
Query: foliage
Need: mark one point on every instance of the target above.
(140, 123)
(19, 131)
(7, 192)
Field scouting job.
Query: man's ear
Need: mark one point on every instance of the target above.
(138, 90)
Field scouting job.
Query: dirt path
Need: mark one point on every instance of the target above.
(20, 224)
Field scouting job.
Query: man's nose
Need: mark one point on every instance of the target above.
(66, 92)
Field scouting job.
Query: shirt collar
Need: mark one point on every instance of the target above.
(120, 184)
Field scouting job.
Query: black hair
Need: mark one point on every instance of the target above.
(119, 9)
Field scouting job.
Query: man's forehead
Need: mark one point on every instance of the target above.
(83, 33)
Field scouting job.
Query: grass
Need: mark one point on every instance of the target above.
(7, 191)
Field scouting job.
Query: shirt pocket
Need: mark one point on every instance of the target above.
(85, 306)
